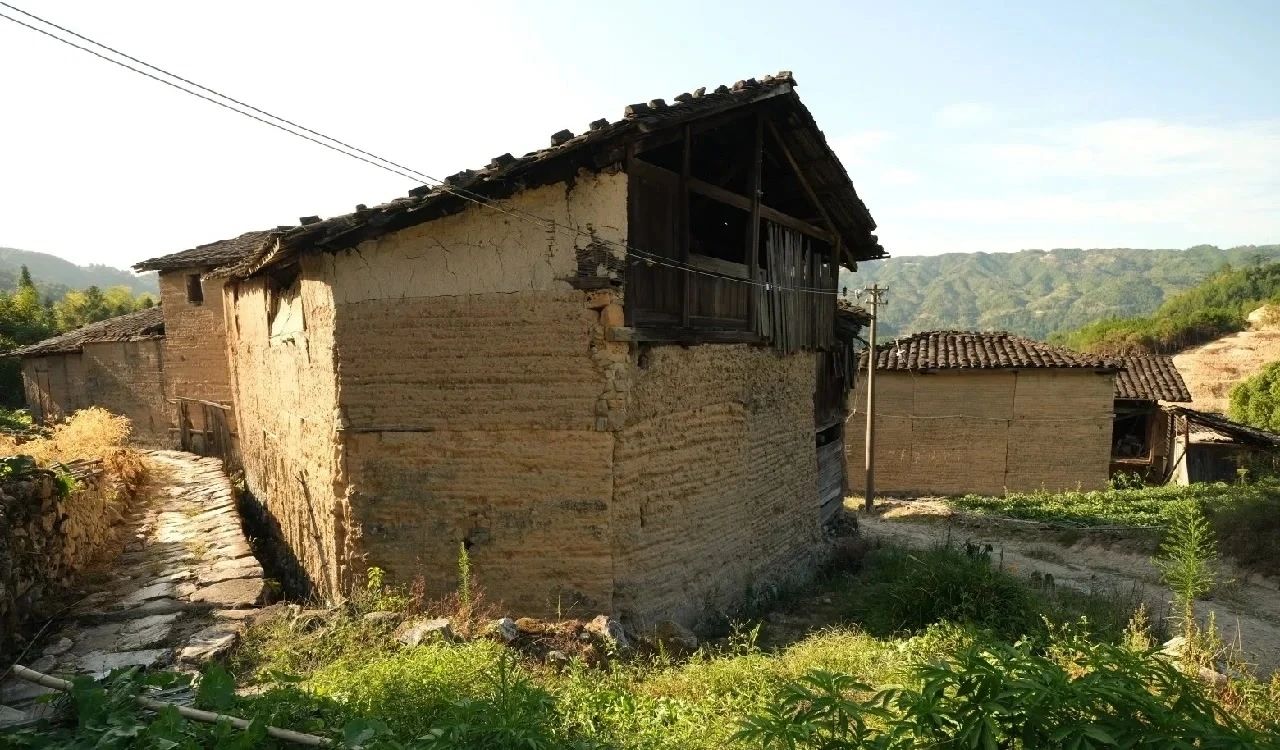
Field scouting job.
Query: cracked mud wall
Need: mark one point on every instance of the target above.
(956, 433)
(715, 495)
(123, 377)
(195, 348)
(474, 398)
(285, 391)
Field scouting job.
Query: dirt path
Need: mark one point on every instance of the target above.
(1087, 562)
(177, 595)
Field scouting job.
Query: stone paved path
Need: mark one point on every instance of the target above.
(177, 596)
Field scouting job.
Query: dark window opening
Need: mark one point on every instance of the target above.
(722, 156)
(779, 186)
(717, 230)
(195, 290)
(1130, 436)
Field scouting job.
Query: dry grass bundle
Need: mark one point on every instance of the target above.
(92, 433)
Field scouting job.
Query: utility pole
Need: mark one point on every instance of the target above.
(876, 293)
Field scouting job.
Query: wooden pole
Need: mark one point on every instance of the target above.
(208, 717)
(875, 291)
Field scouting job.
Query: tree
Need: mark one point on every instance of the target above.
(1256, 401)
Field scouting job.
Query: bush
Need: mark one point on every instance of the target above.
(92, 433)
(1256, 401)
(909, 590)
(996, 695)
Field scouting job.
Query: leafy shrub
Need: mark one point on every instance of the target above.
(995, 695)
(909, 590)
(1216, 307)
(1256, 400)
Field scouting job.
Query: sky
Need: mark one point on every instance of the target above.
(976, 126)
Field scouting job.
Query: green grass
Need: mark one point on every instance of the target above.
(1245, 517)
(897, 615)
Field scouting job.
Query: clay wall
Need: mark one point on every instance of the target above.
(285, 394)
(123, 377)
(715, 495)
(195, 347)
(475, 394)
(984, 432)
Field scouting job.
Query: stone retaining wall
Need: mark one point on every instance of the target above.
(46, 537)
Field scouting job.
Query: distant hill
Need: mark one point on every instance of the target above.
(1039, 293)
(55, 276)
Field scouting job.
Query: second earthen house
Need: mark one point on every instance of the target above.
(609, 369)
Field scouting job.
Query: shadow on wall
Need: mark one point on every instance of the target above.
(278, 561)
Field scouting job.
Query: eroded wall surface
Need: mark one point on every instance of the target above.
(128, 378)
(957, 433)
(123, 377)
(716, 479)
(285, 391)
(475, 399)
(195, 347)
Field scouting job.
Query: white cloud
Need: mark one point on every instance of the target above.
(1136, 182)
(964, 115)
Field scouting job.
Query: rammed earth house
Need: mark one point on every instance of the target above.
(117, 364)
(197, 380)
(961, 411)
(605, 368)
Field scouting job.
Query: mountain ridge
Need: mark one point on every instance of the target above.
(1038, 293)
(54, 276)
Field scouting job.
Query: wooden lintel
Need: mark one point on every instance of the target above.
(730, 198)
(676, 335)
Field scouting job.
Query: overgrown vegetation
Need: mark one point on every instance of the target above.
(92, 433)
(943, 649)
(1256, 400)
(1216, 307)
(1245, 516)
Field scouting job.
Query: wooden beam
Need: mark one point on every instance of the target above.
(804, 182)
(752, 256)
(730, 198)
(686, 167)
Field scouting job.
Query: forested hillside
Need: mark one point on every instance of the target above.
(1213, 308)
(1038, 293)
(55, 277)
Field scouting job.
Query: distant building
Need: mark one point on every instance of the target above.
(984, 412)
(1140, 439)
(117, 364)
(1211, 448)
(197, 375)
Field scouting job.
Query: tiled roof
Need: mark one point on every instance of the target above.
(135, 326)
(1150, 378)
(602, 144)
(965, 350)
(211, 255)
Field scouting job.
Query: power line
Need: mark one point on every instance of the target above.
(367, 157)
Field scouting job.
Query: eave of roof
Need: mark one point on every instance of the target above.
(134, 326)
(1151, 378)
(209, 255)
(981, 351)
(603, 144)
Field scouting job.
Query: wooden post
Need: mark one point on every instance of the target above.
(753, 230)
(875, 292)
(686, 283)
